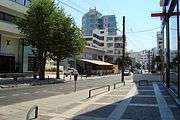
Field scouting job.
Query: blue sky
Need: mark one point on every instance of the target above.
(138, 18)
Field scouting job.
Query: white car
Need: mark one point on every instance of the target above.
(127, 72)
(70, 71)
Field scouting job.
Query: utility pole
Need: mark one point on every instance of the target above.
(123, 51)
(149, 62)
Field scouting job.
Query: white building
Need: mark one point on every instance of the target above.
(144, 56)
(111, 44)
(160, 43)
(14, 57)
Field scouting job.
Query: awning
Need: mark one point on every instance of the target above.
(97, 62)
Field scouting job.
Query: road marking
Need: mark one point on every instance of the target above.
(15, 95)
(26, 93)
(37, 92)
(2, 97)
(144, 105)
(120, 109)
(166, 113)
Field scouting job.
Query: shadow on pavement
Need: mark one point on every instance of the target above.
(31, 81)
(142, 106)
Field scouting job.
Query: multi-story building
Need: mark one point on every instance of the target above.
(108, 22)
(14, 57)
(160, 43)
(95, 20)
(146, 58)
(101, 32)
(90, 22)
(112, 44)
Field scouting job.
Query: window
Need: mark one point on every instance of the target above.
(118, 45)
(117, 51)
(98, 43)
(6, 17)
(32, 63)
(117, 39)
(110, 51)
(98, 37)
(88, 39)
(109, 45)
(109, 38)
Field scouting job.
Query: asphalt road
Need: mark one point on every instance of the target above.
(17, 95)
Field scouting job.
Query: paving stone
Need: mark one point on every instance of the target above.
(146, 93)
(62, 109)
(170, 101)
(144, 100)
(145, 88)
(44, 117)
(118, 93)
(96, 110)
(110, 99)
(165, 93)
(141, 113)
(176, 113)
(162, 88)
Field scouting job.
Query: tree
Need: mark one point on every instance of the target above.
(127, 61)
(35, 28)
(67, 38)
(137, 65)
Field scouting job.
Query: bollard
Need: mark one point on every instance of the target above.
(30, 111)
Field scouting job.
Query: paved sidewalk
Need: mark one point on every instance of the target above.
(129, 102)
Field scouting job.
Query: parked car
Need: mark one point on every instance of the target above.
(127, 72)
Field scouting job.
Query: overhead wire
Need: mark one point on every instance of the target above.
(75, 4)
(64, 3)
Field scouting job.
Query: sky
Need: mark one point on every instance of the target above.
(137, 13)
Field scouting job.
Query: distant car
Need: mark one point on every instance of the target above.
(127, 72)
(146, 71)
(70, 71)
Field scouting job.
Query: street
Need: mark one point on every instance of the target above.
(17, 95)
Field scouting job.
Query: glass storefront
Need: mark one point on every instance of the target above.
(171, 70)
(173, 52)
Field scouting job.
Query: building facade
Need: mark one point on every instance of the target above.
(171, 35)
(95, 20)
(14, 57)
(90, 22)
(160, 42)
(111, 44)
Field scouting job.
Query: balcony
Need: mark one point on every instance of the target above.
(8, 28)
(13, 7)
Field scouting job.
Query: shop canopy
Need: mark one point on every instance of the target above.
(97, 62)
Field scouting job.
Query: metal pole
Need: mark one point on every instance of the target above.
(167, 54)
(75, 85)
(123, 51)
(178, 43)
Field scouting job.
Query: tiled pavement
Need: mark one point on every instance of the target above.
(129, 102)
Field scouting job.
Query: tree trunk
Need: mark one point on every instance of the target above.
(57, 68)
(42, 63)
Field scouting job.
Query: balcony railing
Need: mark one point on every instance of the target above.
(22, 2)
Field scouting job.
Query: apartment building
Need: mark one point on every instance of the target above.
(111, 44)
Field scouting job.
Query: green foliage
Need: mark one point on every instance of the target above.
(35, 27)
(48, 29)
(67, 38)
(127, 61)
